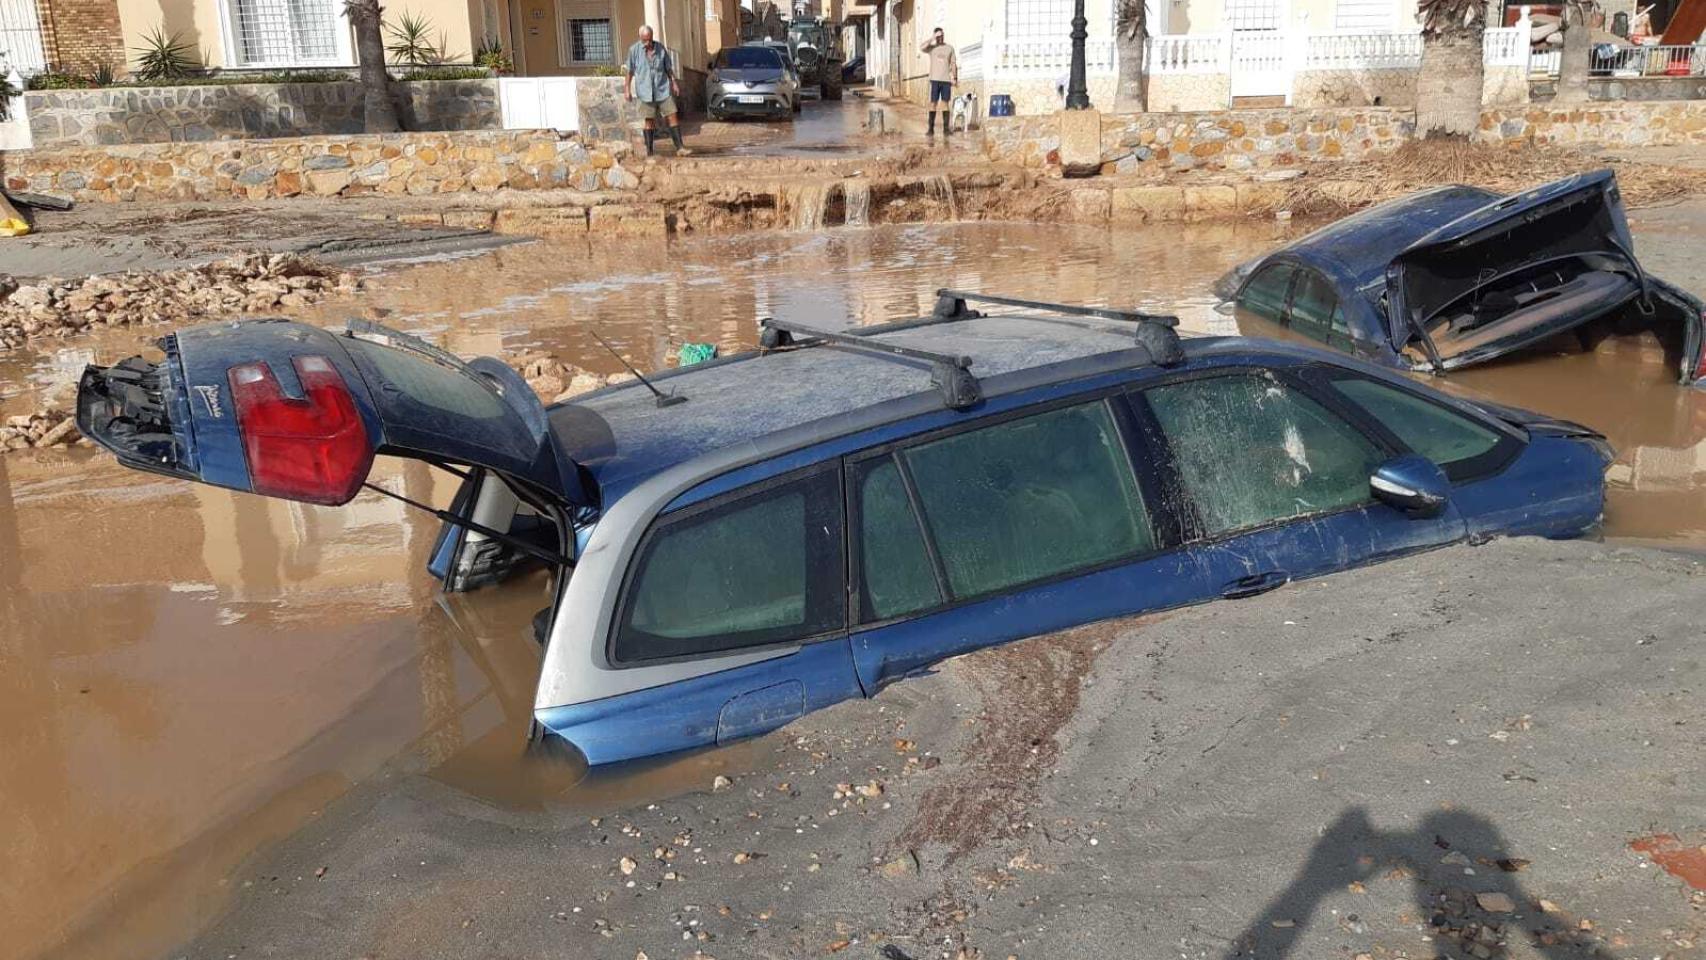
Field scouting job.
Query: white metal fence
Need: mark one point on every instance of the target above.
(1187, 53)
(20, 37)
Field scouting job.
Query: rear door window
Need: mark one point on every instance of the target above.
(1029, 499)
(1250, 450)
(1446, 437)
(1315, 307)
(748, 570)
(1265, 294)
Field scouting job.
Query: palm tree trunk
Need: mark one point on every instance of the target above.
(1131, 42)
(378, 105)
(1573, 61)
(1448, 87)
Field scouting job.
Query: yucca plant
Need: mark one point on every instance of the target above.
(411, 41)
(164, 56)
(491, 55)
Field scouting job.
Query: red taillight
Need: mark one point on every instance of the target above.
(314, 449)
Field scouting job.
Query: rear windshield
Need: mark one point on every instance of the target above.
(749, 58)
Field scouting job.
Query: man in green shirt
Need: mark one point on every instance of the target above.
(651, 77)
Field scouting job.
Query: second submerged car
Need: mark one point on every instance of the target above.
(1456, 276)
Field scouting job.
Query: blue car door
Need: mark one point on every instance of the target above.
(1007, 528)
(1274, 480)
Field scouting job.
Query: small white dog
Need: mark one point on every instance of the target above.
(964, 112)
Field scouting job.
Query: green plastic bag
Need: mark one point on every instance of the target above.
(692, 353)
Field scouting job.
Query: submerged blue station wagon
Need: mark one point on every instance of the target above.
(746, 540)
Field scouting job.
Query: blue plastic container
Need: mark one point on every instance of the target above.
(1001, 105)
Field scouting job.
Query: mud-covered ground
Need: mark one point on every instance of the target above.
(1450, 755)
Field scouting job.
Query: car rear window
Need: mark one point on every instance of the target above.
(764, 567)
(749, 58)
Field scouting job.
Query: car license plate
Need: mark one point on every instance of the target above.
(751, 99)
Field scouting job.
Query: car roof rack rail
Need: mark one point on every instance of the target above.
(951, 374)
(1156, 332)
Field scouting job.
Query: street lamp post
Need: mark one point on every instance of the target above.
(1077, 92)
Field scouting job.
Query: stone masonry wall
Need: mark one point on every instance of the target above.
(1631, 124)
(411, 163)
(1218, 140)
(80, 36)
(239, 111)
(1261, 139)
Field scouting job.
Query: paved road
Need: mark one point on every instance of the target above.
(1448, 755)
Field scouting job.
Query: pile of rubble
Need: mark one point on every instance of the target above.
(44, 428)
(253, 283)
(555, 381)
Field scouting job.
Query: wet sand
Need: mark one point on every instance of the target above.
(191, 674)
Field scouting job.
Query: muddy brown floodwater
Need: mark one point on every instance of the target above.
(187, 674)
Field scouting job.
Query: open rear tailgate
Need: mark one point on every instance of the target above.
(1576, 216)
(293, 411)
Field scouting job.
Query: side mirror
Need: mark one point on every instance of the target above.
(1413, 484)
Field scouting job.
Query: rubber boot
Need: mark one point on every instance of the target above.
(931, 131)
(651, 142)
(675, 134)
(946, 128)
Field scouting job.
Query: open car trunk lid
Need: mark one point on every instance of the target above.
(1518, 270)
(290, 410)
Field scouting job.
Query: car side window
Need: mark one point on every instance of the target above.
(1443, 436)
(1265, 294)
(896, 575)
(1250, 450)
(761, 568)
(1314, 304)
(1029, 499)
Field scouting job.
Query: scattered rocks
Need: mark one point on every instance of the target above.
(252, 283)
(555, 382)
(44, 428)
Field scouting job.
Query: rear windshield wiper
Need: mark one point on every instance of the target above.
(366, 329)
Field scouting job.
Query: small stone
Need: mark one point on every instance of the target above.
(719, 782)
(627, 865)
(1495, 902)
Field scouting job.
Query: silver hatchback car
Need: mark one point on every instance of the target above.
(752, 81)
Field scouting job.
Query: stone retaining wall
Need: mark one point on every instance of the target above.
(1218, 140)
(1658, 123)
(245, 111)
(1261, 139)
(412, 163)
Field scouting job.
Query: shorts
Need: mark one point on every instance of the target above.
(941, 91)
(659, 110)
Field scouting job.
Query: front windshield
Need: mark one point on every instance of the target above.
(749, 58)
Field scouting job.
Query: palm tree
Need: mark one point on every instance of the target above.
(1131, 42)
(1448, 88)
(378, 106)
(1578, 43)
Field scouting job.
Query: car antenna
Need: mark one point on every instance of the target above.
(669, 399)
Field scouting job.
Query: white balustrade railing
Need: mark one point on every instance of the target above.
(1187, 53)
(1045, 58)
(1544, 62)
(1504, 46)
(1363, 51)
